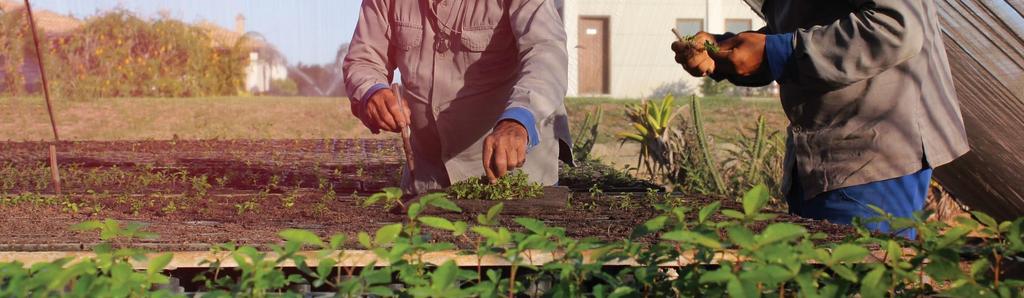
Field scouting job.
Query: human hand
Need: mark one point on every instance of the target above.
(693, 56)
(504, 149)
(741, 55)
(384, 111)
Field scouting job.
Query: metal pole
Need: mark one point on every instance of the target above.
(54, 171)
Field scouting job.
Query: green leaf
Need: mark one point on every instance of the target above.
(733, 214)
(844, 272)
(393, 192)
(954, 235)
(985, 219)
(692, 237)
(741, 236)
(721, 275)
(531, 224)
(460, 228)
(494, 211)
(848, 253)
(488, 233)
(381, 291)
(652, 225)
(437, 223)
(770, 274)
(737, 288)
(301, 236)
(337, 241)
(387, 234)
(893, 250)
(88, 225)
(778, 232)
(755, 199)
(444, 276)
(440, 200)
(621, 292)
(364, 240)
(871, 285)
(323, 269)
(373, 199)
(504, 236)
(414, 210)
(157, 264)
(707, 211)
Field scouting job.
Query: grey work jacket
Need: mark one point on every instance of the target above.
(869, 92)
(463, 63)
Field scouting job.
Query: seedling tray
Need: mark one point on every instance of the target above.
(246, 211)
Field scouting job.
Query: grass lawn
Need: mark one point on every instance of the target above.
(292, 118)
(186, 118)
(311, 118)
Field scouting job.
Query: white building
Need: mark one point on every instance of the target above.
(620, 48)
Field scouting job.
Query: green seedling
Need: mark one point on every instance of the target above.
(288, 201)
(690, 40)
(247, 206)
(515, 185)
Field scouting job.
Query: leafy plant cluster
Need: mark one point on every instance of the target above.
(681, 253)
(515, 185)
(117, 54)
(110, 273)
(684, 156)
(586, 136)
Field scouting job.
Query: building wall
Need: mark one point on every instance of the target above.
(639, 38)
(260, 73)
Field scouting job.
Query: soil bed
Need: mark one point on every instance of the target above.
(197, 193)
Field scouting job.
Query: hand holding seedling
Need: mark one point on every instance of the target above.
(741, 55)
(693, 53)
(385, 111)
(504, 149)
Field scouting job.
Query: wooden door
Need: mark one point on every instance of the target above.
(593, 55)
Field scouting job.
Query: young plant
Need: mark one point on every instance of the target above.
(691, 43)
(513, 186)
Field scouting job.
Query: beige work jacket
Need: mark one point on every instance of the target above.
(463, 63)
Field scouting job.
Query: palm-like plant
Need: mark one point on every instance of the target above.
(652, 122)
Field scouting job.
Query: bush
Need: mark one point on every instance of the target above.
(675, 89)
(710, 87)
(14, 46)
(117, 54)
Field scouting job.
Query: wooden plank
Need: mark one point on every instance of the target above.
(554, 199)
(363, 258)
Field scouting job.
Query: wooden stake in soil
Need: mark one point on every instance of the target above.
(54, 171)
(406, 135)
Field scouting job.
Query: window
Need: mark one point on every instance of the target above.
(689, 26)
(738, 25)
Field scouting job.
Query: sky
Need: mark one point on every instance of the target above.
(306, 31)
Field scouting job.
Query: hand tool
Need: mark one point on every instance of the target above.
(406, 133)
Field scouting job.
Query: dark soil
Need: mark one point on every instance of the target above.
(255, 189)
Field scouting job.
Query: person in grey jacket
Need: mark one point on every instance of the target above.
(484, 85)
(867, 88)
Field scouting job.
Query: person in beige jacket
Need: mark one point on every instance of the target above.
(867, 88)
(483, 84)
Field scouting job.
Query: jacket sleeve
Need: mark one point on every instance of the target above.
(874, 37)
(367, 63)
(540, 36)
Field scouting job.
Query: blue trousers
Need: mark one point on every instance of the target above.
(900, 197)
